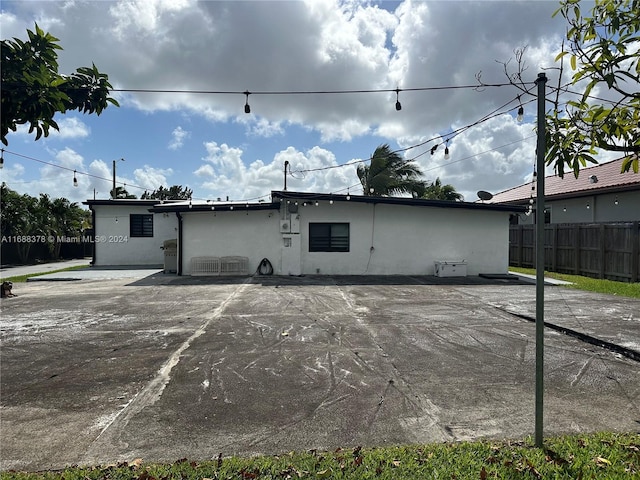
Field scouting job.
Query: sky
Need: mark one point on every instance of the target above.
(431, 51)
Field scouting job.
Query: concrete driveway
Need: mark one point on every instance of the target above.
(162, 367)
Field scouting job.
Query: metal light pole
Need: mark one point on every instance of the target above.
(113, 191)
(540, 154)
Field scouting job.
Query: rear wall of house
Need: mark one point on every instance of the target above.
(403, 240)
(253, 234)
(383, 239)
(116, 247)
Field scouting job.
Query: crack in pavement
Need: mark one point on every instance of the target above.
(152, 392)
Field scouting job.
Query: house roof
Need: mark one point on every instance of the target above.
(200, 206)
(602, 178)
(126, 201)
(416, 202)
(157, 206)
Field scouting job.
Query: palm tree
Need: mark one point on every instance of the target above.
(388, 174)
(122, 192)
(438, 191)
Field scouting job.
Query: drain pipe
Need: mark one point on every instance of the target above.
(179, 267)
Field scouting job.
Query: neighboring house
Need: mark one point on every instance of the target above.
(127, 233)
(600, 194)
(310, 234)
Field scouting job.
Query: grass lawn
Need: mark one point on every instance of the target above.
(590, 284)
(23, 278)
(601, 455)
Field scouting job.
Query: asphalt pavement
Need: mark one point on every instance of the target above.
(161, 367)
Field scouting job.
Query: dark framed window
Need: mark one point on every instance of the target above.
(141, 225)
(328, 237)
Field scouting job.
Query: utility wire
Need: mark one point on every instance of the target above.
(309, 92)
(495, 113)
(71, 170)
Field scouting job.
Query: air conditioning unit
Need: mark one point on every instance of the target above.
(285, 226)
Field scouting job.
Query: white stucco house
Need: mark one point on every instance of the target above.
(310, 234)
(127, 233)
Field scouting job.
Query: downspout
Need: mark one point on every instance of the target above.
(179, 267)
(93, 240)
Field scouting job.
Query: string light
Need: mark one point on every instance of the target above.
(2, 159)
(615, 202)
(446, 150)
(398, 105)
(75, 180)
(247, 108)
(520, 116)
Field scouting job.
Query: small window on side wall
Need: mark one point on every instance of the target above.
(328, 237)
(141, 225)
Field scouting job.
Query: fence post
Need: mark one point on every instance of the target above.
(576, 249)
(554, 247)
(603, 250)
(635, 251)
(520, 237)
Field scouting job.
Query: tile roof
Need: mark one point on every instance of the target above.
(608, 178)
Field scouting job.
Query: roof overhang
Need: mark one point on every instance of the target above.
(414, 202)
(121, 202)
(186, 207)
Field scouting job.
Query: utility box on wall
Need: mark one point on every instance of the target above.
(450, 269)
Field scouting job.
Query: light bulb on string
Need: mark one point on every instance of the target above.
(520, 116)
(247, 108)
(2, 159)
(398, 105)
(75, 180)
(446, 151)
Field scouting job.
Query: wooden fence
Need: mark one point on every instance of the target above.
(602, 250)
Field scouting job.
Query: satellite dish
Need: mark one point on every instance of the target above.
(483, 195)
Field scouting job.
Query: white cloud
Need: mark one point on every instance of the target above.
(70, 127)
(178, 137)
(151, 178)
(225, 174)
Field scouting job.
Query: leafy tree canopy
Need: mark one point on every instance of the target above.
(33, 91)
(122, 192)
(437, 191)
(603, 50)
(24, 215)
(388, 174)
(175, 192)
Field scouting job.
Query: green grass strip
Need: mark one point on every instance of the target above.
(23, 278)
(609, 287)
(601, 455)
